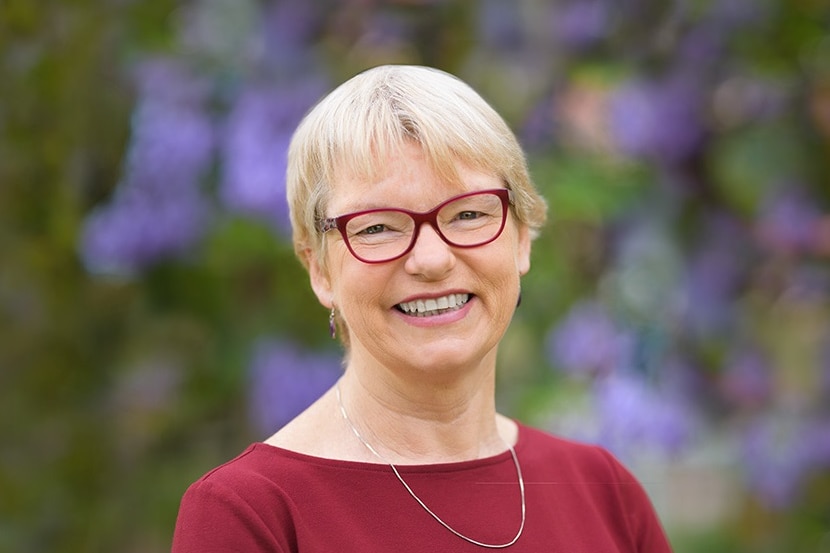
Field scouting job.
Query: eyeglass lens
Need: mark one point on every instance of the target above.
(385, 234)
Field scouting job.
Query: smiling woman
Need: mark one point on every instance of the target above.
(435, 212)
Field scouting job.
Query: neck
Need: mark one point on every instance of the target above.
(423, 423)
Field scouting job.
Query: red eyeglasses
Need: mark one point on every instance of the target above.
(465, 221)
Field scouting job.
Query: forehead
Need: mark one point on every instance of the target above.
(407, 179)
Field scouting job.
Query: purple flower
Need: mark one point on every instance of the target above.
(781, 453)
(500, 25)
(817, 433)
(158, 209)
(582, 23)
(539, 128)
(387, 31)
(588, 342)
(284, 380)
(633, 415)
(824, 368)
(713, 278)
(138, 229)
(173, 136)
(746, 380)
(710, 282)
(289, 29)
(171, 146)
(658, 120)
(741, 100)
(789, 223)
(258, 133)
(701, 47)
(740, 14)
(169, 80)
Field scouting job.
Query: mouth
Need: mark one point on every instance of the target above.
(433, 306)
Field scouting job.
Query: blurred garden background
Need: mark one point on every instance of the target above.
(153, 319)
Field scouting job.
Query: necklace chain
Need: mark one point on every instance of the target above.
(420, 501)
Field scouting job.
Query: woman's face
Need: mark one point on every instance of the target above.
(373, 299)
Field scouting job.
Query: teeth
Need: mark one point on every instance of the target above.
(425, 308)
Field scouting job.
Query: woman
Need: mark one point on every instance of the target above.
(413, 212)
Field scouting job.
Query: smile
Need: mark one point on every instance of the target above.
(434, 306)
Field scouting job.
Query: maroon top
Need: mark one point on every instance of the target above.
(579, 499)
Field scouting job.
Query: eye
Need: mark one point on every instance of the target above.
(373, 229)
(468, 215)
(378, 225)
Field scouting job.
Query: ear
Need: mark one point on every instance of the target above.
(523, 250)
(320, 282)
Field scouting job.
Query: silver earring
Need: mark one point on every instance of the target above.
(332, 325)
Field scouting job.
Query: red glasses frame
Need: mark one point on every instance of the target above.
(430, 217)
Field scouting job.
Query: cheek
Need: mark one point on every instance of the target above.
(498, 271)
(358, 286)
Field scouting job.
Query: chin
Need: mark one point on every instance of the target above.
(448, 358)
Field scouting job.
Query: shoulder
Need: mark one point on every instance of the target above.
(540, 446)
(237, 481)
(586, 466)
(592, 478)
(260, 467)
(236, 505)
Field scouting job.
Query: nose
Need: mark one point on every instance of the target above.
(430, 256)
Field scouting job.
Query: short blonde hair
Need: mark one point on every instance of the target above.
(354, 129)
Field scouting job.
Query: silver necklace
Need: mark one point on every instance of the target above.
(420, 501)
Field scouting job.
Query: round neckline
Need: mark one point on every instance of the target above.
(449, 466)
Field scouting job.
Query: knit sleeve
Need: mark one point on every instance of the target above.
(215, 518)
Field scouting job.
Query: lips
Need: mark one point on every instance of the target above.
(433, 306)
